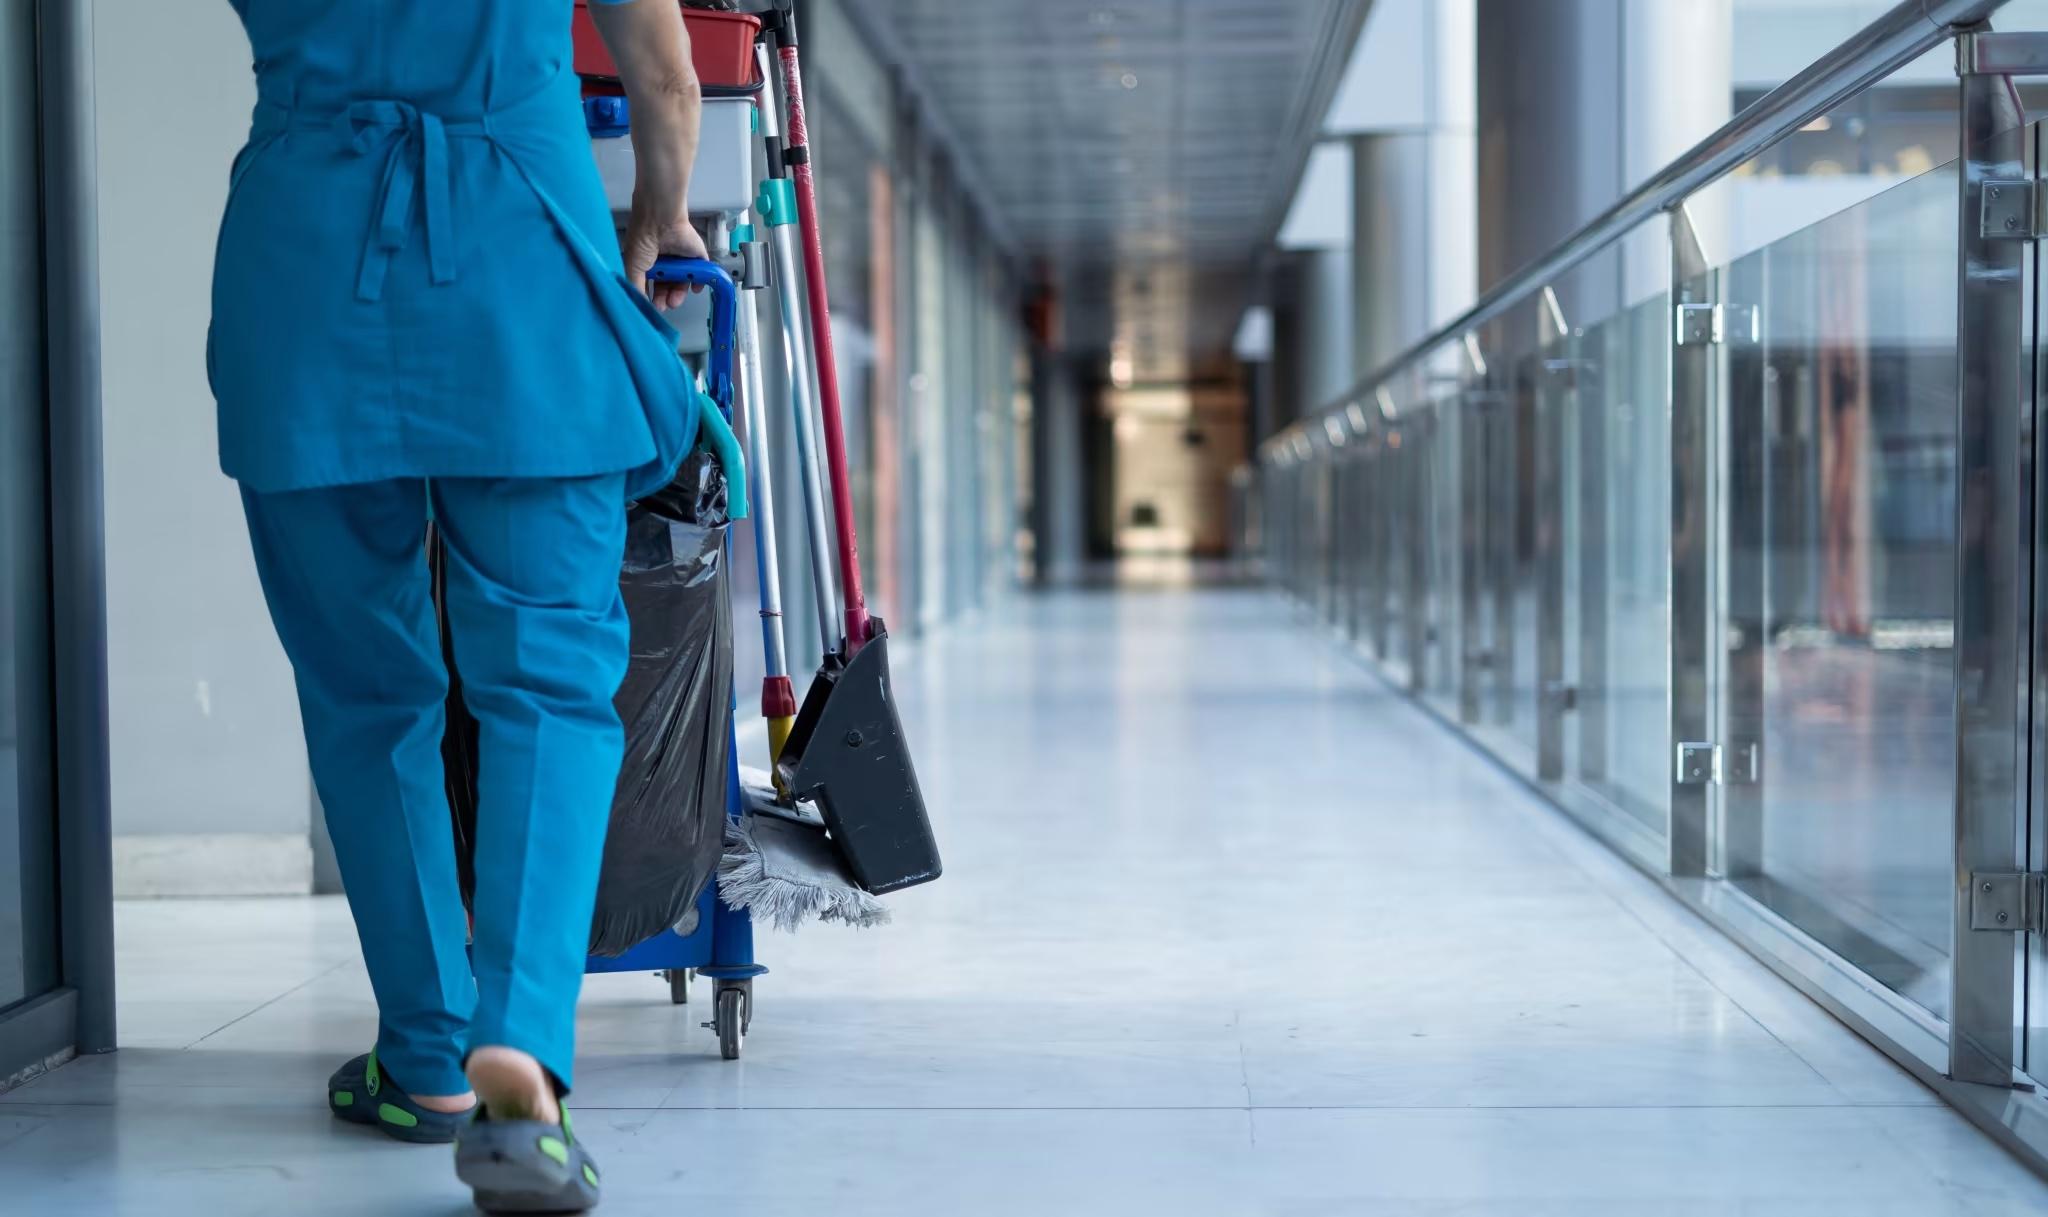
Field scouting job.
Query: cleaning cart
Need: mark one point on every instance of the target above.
(716, 941)
(839, 818)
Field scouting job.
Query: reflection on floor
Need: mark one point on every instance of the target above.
(1226, 929)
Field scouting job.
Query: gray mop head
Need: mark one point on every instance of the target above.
(783, 869)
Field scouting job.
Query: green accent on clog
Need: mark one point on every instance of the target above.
(554, 1148)
(397, 1115)
(343, 1098)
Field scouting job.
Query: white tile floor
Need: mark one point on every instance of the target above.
(1226, 929)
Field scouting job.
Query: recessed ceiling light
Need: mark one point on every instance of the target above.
(1130, 80)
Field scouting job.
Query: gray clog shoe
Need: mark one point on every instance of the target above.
(360, 1093)
(525, 1166)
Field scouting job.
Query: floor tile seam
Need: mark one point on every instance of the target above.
(302, 985)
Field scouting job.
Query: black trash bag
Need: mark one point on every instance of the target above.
(668, 815)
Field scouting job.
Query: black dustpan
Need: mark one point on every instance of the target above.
(847, 755)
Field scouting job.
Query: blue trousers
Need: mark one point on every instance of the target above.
(540, 639)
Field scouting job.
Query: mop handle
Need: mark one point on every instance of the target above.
(776, 208)
(775, 688)
(796, 152)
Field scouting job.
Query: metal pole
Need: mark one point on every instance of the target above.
(1387, 564)
(1993, 479)
(1422, 436)
(1503, 511)
(777, 210)
(778, 696)
(1692, 374)
(855, 605)
(755, 420)
(1474, 655)
(1553, 401)
(1744, 434)
(1592, 546)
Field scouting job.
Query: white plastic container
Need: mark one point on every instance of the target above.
(722, 182)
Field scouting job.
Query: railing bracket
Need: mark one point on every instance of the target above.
(1697, 763)
(2013, 210)
(2013, 902)
(1711, 324)
(1694, 325)
(1740, 765)
(2013, 53)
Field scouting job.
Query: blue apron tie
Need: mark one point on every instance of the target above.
(419, 152)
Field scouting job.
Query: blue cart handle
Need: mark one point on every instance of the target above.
(725, 303)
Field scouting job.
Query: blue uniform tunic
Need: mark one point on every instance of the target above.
(419, 313)
(417, 273)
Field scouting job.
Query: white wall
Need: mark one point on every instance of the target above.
(211, 789)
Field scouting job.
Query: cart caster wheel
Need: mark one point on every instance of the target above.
(733, 1010)
(678, 986)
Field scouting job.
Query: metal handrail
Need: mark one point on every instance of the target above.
(1887, 44)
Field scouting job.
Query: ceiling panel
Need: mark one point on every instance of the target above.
(1141, 151)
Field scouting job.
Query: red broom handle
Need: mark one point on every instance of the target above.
(797, 150)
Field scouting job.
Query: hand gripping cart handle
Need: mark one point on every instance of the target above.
(725, 309)
(715, 427)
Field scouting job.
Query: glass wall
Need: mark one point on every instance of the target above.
(1841, 588)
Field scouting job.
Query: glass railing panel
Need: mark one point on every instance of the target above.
(1414, 611)
(1638, 524)
(1379, 507)
(1503, 410)
(1606, 375)
(1840, 506)
(1355, 530)
(1619, 531)
(1438, 436)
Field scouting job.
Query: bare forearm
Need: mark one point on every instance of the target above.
(651, 46)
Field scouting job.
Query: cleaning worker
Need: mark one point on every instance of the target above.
(421, 312)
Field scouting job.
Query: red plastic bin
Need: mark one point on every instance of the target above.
(721, 45)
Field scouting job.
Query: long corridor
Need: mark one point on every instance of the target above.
(1227, 928)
